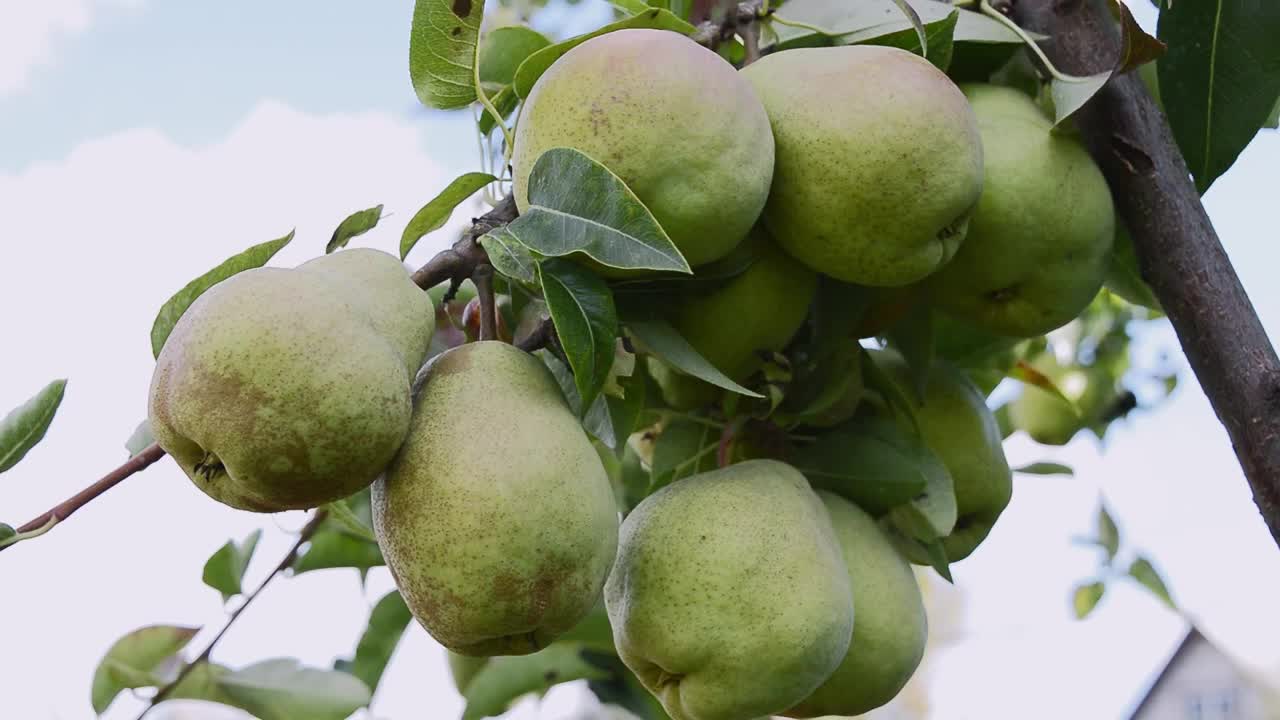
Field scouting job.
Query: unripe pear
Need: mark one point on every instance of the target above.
(286, 389)
(674, 120)
(496, 519)
(1045, 416)
(756, 312)
(955, 423)
(1039, 243)
(878, 163)
(730, 598)
(891, 628)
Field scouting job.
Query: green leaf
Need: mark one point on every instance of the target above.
(1045, 468)
(624, 412)
(1024, 372)
(331, 548)
(1220, 78)
(503, 679)
(1137, 47)
(870, 462)
(931, 515)
(586, 322)
(146, 657)
(939, 37)
(846, 23)
(1071, 94)
(442, 51)
(504, 49)
(357, 223)
(578, 205)
(1273, 122)
(202, 683)
(141, 439)
(436, 213)
(624, 690)
(1123, 276)
(662, 340)
(875, 378)
(912, 337)
(509, 256)
(386, 625)
(937, 554)
(282, 689)
(344, 517)
(224, 570)
(1108, 533)
(595, 419)
(631, 7)
(914, 18)
(6, 532)
(1146, 574)
(174, 307)
(1086, 597)
(684, 448)
(536, 64)
(26, 424)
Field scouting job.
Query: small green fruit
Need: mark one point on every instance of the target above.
(1049, 420)
(675, 121)
(1039, 243)
(956, 424)
(878, 162)
(891, 629)
(730, 598)
(286, 389)
(496, 519)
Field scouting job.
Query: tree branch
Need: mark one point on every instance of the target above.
(64, 509)
(713, 31)
(483, 278)
(304, 535)
(1179, 253)
(460, 261)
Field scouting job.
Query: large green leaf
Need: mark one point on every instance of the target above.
(586, 322)
(509, 256)
(686, 447)
(282, 689)
(174, 307)
(939, 36)
(26, 424)
(595, 417)
(224, 570)
(661, 339)
(435, 214)
(504, 679)
(577, 205)
(1220, 78)
(536, 64)
(912, 337)
(869, 462)
(386, 625)
(146, 657)
(442, 51)
(357, 223)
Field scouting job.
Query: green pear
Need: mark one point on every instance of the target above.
(757, 311)
(891, 629)
(1039, 243)
(496, 518)
(674, 120)
(286, 389)
(1045, 417)
(878, 162)
(955, 423)
(730, 598)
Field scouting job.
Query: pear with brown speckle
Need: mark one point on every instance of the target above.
(497, 518)
(286, 389)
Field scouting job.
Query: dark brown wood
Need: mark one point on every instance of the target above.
(1179, 253)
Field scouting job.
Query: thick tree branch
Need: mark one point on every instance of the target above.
(460, 261)
(304, 535)
(64, 509)
(1179, 253)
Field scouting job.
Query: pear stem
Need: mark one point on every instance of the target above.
(483, 278)
(45, 521)
(304, 535)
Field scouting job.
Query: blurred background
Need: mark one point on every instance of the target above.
(144, 141)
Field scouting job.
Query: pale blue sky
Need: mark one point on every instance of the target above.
(143, 141)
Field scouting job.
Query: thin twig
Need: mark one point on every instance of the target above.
(483, 279)
(542, 336)
(304, 535)
(64, 509)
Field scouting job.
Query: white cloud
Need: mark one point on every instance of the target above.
(30, 30)
(94, 244)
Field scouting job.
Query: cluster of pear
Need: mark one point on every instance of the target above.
(739, 592)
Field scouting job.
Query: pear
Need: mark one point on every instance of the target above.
(685, 133)
(730, 598)
(286, 389)
(496, 518)
(891, 629)
(878, 162)
(757, 311)
(1046, 417)
(1039, 243)
(955, 423)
